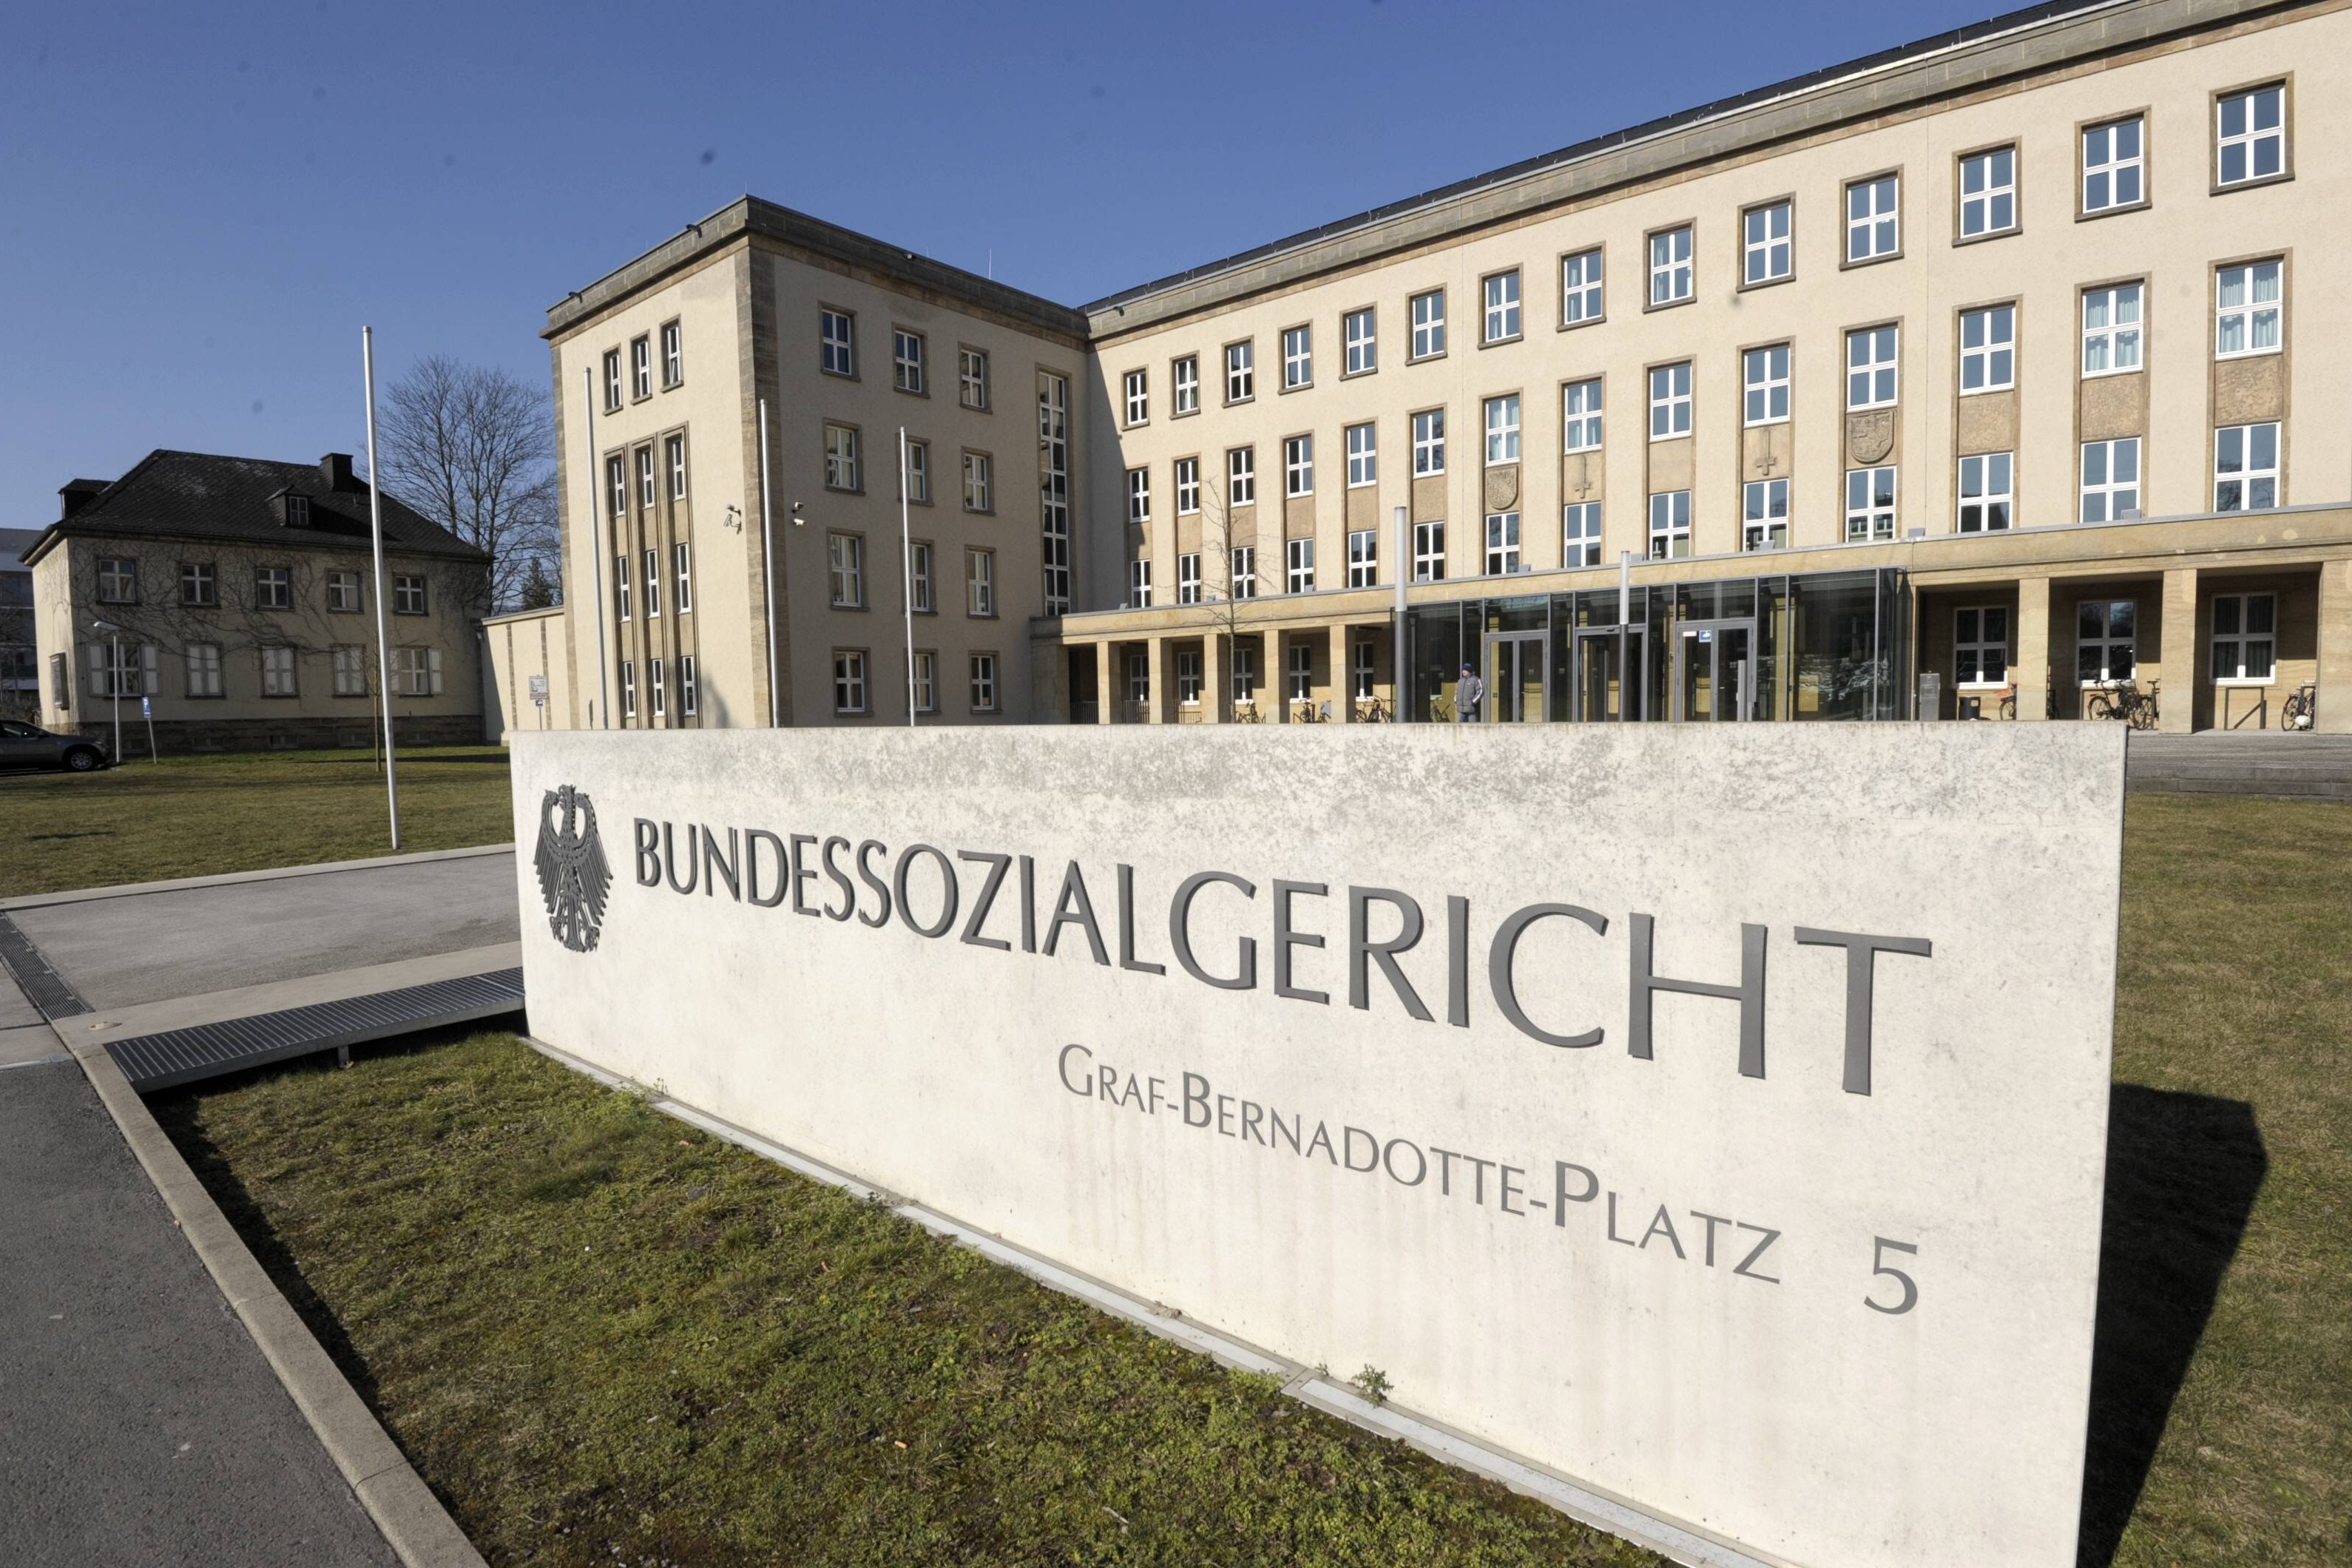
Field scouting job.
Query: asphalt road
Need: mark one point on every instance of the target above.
(138, 1422)
(153, 947)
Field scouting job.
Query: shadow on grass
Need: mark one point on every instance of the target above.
(2182, 1174)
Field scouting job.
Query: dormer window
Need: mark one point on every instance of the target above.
(298, 511)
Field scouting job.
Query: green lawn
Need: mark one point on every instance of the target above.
(604, 1337)
(197, 816)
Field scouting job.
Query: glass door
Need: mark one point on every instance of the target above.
(1516, 678)
(1715, 670)
(1610, 679)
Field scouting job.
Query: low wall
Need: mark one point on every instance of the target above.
(178, 737)
(1715, 1116)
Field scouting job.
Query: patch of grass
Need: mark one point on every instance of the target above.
(199, 816)
(604, 1337)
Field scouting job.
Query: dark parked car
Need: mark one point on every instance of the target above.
(30, 746)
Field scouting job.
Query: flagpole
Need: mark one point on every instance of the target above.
(600, 710)
(907, 557)
(382, 647)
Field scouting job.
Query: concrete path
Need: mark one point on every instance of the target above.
(142, 1424)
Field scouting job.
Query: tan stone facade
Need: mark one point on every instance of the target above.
(1999, 361)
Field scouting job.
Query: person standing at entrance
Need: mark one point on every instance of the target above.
(1468, 692)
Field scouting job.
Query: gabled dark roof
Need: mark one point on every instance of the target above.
(195, 495)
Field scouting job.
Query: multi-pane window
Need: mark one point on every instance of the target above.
(1185, 373)
(1579, 416)
(979, 468)
(117, 669)
(1428, 442)
(408, 595)
(1302, 671)
(919, 597)
(1240, 476)
(1670, 266)
(1428, 551)
(1988, 349)
(204, 670)
(1139, 583)
(1428, 323)
(1244, 672)
(1138, 495)
(925, 682)
(1669, 401)
(980, 583)
(1241, 372)
(657, 686)
(200, 586)
(278, 671)
(1580, 288)
(1363, 557)
(118, 581)
(628, 689)
(907, 361)
(653, 585)
(1987, 491)
(1361, 331)
(1363, 455)
(1188, 486)
(1502, 543)
(1980, 644)
(2246, 467)
(1363, 654)
(1138, 387)
(1299, 466)
(689, 691)
(840, 458)
(1243, 570)
(1873, 228)
(2246, 310)
(2111, 328)
(417, 672)
(1766, 372)
(848, 680)
(621, 584)
(1188, 578)
(273, 589)
(1579, 533)
(616, 482)
(2245, 638)
(1188, 678)
(1503, 429)
(1503, 307)
(1669, 524)
(1870, 368)
(983, 683)
(2110, 480)
(846, 569)
(646, 490)
(1989, 192)
(2105, 632)
(1764, 514)
(675, 450)
(1767, 253)
(1053, 490)
(837, 343)
(641, 367)
(1297, 357)
(2251, 127)
(919, 472)
(673, 355)
(1869, 503)
(1138, 675)
(1298, 566)
(682, 584)
(2113, 167)
(611, 380)
(972, 372)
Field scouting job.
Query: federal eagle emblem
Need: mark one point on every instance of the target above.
(572, 874)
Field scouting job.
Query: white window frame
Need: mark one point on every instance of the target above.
(689, 689)
(1873, 218)
(845, 556)
(1244, 672)
(1184, 377)
(922, 566)
(2114, 341)
(1299, 466)
(1137, 388)
(342, 591)
(2254, 322)
(621, 584)
(203, 661)
(1298, 566)
(1673, 271)
(1579, 533)
(280, 670)
(972, 376)
(1241, 370)
(1240, 577)
(1428, 313)
(1363, 667)
(1301, 669)
(1139, 583)
(1364, 455)
(837, 340)
(1188, 678)
(2107, 642)
(648, 486)
(1360, 330)
(611, 380)
(628, 689)
(2246, 467)
(655, 684)
(978, 476)
(907, 371)
(1138, 495)
(979, 584)
(1873, 362)
(1240, 476)
(1504, 556)
(1188, 486)
(1188, 578)
(200, 586)
(1670, 515)
(117, 580)
(1579, 415)
(1502, 295)
(2112, 496)
(641, 367)
(673, 351)
(2103, 182)
(1764, 378)
(1669, 401)
(1989, 206)
(1768, 246)
(926, 680)
(1428, 443)
(984, 697)
(674, 449)
(1582, 284)
(2236, 642)
(1363, 558)
(1429, 551)
(1987, 493)
(1297, 357)
(1764, 514)
(841, 463)
(273, 587)
(1871, 515)
(1980, 644)
(919, 472)
(850, 693)
(1988, 350)
(2247, 141)
(1503, 429)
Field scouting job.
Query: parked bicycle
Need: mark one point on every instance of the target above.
(1441, 710)
(2125, 700)
(1244, 712)
(2007, 708)
(1373, 711)
(2300, 710)
(1309, 714)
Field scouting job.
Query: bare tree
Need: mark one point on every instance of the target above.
(473, 447)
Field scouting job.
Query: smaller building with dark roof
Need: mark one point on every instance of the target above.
(237, 596)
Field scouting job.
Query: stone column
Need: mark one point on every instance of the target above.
(1216, 676)
(2033, 671)
(1155, 652)
(1274, 653)
(1106, 690)
(2334, 716)
(1343, 690)
(2176, 708)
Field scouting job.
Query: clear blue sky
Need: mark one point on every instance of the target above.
(200, 204)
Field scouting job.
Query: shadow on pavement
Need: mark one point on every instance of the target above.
(2182, 1174)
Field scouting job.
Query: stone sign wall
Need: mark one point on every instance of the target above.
(1717, 1117)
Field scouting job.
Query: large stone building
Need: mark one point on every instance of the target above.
(237, 596)
(20, 679)
(1985, 374)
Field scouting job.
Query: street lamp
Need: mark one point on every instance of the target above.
(114, 677)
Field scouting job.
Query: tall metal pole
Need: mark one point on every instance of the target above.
(603, 704)
(1399, 686)
(382, 647)
(115, 685)
(768, 569)
(906, 558)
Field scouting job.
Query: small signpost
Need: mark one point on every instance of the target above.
(147, 711)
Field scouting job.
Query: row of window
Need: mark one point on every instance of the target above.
(2243, 645)
(845, 575)
(130, 670)
(627, 594)
(273, 587)
(853, 693)
(639, 383)
(2250, 148)
(657, 688)
(649, 483)
(1363, 665)
(910, 358)
(845, 468)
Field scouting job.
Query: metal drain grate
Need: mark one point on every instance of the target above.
(42, 986)
(182, 1056)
